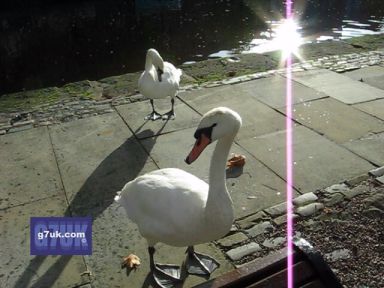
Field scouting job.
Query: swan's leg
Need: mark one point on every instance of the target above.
(170, 115)
(166, 276)
(200, 264)
(153, 115)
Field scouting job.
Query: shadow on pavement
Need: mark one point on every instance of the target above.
(97, 193)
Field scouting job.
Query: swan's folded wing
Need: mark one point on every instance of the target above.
(170, 196)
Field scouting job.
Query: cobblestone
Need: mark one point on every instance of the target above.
(377, 172)
(334, 199)
(252, 220)
(356, 180)
(277, 210)
(337, 188)
(309, 209)
(280, 220)
(259, 229)
(376, 200)
(380, 179)
(349, 194)
(239, 252)
(232, 239)
(304, 199)
(265, 237)
(273, 242)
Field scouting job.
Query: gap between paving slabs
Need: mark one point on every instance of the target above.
(258, 234)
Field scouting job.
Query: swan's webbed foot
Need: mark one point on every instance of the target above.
(166, 276)
(200, 264)
(170, 115)
(153, 116)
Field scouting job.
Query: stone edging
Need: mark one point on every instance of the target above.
(68, 109)
(253, 236)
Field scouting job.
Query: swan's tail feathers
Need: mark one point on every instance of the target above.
(180, 72)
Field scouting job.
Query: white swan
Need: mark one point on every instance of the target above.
(177, 208)
(159, 80)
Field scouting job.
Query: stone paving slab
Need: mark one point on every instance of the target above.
(255, 189)
(375, 108)
(338, 86)
(18, 268)
(318, 162)
(115, 236)
(96, 157)
(334, 119)
(28, 168)
(134, 115)
(371, 75)
(272, 91)
(257, 117)
(370, 147)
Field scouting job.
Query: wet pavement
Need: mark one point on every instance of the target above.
(75, 168)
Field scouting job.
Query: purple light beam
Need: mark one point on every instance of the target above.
(289, 157)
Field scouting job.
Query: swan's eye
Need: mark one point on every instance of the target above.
(206, 131)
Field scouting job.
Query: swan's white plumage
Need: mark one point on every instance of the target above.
(177, 208)
(166, 204)
(149, 84)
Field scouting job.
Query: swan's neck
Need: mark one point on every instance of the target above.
(219, 202)
(148, 63)
(152, 61)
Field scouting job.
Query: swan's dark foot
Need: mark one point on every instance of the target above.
(165, 275)
(200, 264)
(169, 115)
(153, 116)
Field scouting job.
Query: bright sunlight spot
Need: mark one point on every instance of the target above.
(282, 35)
(287, 38)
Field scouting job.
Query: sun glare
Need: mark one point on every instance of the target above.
(287, 38)
(283, 35)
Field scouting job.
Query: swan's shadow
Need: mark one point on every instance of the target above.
(96, 194)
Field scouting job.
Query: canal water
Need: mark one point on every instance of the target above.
(49, 43)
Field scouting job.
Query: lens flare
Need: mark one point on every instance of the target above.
(287, 38)
(283, 35)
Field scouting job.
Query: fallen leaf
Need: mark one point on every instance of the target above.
(131, 261)
(236, 160)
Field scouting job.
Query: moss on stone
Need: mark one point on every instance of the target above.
(367, 42)
(27, 99)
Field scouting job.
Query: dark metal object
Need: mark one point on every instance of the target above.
(309, 271)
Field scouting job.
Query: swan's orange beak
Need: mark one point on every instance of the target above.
(200, 144)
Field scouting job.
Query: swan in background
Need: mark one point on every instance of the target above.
(177, 208)
(160, 79)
